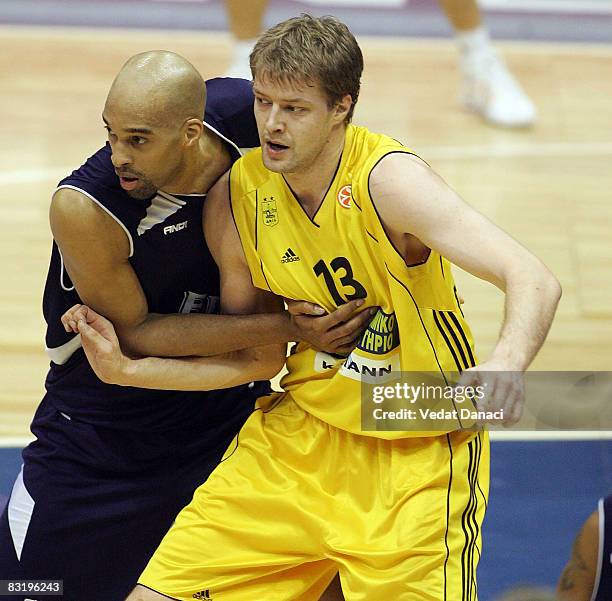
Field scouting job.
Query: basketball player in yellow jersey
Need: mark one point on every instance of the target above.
(331, 212)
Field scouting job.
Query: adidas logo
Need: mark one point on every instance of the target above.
(203, 595)
(289, 257)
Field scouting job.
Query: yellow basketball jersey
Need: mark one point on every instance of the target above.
(340, 254)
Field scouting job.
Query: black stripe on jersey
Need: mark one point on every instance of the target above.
(237, 439)
(453, 353)
(420, 262)
(158, 592)
(464, 338)
(355, 202)
(475, 516)
(452, 350)
(457, 299)
(448, 343)
(229, 196)
(433, 348)
(448, 492)
(331, 183)
(442, 267)
(373, 238)
(264, 275)
(376, 210)
(293, 194)
(466, 526)
(484, 498)
(472, 520)
(451, 331)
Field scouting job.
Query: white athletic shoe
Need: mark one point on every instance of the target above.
(490, 90)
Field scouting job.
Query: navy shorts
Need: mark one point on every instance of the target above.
(91, 504)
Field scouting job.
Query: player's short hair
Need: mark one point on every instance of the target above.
(308, 49)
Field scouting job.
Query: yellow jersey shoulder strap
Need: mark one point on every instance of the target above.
(246, 176)
(363, 198)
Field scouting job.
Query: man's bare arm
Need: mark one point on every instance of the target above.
(578, 577)
(238, 296)
(416, 205)
(96, 257)
(412, 199)
(103, 352)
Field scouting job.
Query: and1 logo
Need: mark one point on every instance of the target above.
(344, 196)
(269, 211)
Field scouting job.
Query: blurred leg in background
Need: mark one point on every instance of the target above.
(488, 87)
(246, 23)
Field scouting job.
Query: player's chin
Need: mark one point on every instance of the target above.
(142, 192)
(276, 165)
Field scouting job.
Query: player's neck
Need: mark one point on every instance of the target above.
(311, 184)
(203, 166)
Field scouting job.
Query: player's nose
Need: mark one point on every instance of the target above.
(274, 122)
(119, 156)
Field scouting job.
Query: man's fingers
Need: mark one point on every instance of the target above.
(342, 313)
(69, 319)
(303, 308)
(354, 326)
(89, 335)
(75, 314)
(348, 347)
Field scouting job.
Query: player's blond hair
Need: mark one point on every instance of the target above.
(307, 50)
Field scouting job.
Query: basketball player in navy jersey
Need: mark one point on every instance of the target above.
(588, 574)
(111, 466)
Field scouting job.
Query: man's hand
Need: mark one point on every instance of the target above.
(336, 332)
(75, 314)
(100, 344)
(503, 390)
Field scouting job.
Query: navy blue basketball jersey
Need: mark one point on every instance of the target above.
(175, 269)
(602, 590)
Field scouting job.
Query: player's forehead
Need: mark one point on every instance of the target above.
(130, 118)
(288, 89)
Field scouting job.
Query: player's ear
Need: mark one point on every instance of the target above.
(343, 106)
(193, 129)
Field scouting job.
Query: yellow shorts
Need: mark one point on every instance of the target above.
(295, 500)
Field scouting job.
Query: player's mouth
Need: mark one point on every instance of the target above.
(128, 182)
(275, 150)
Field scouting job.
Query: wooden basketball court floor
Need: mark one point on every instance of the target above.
(550, 186)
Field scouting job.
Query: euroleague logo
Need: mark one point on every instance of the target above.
(344, 196)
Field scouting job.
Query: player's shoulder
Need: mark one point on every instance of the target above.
(95, 179)
(74, 207)
(370, 149)
(229, 110)
(229, 94)
(248, 173)
(98, 168)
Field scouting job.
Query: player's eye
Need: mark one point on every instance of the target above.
(261, 100)
(138, 140)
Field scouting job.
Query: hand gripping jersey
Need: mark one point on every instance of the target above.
(343, 253)
(174, 268)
